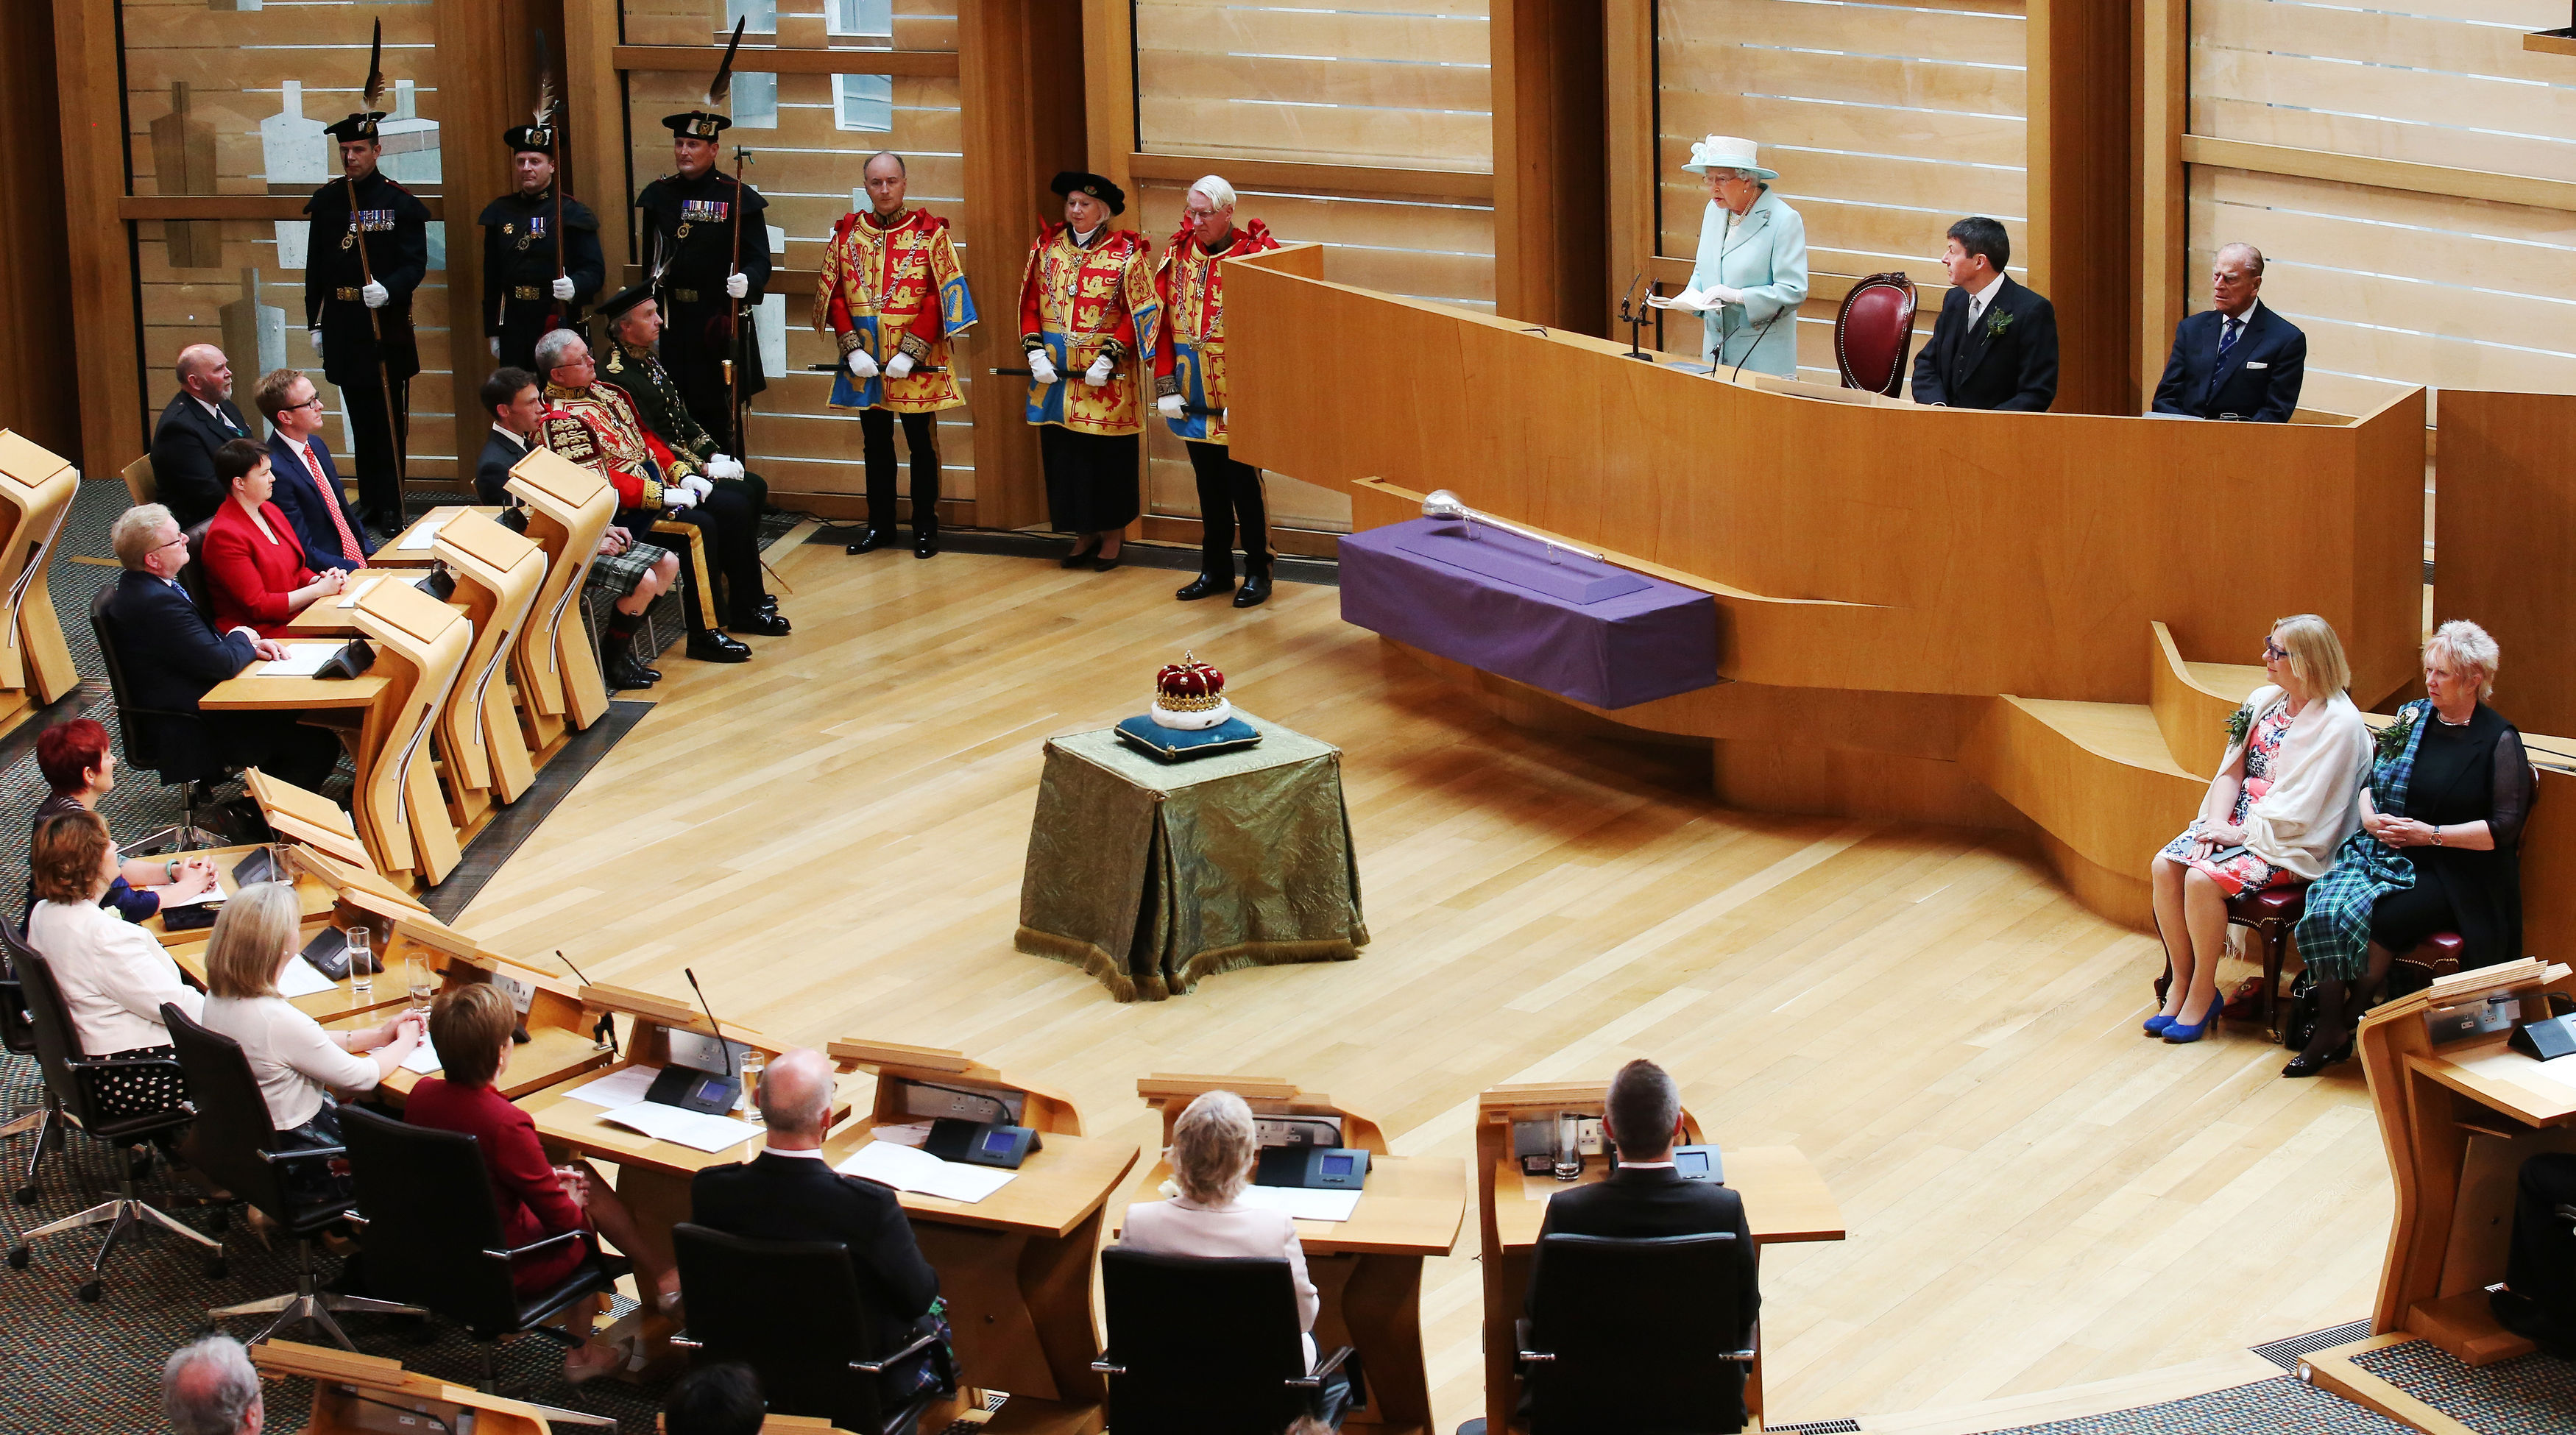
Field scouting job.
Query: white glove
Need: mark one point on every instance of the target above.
(676, 499)
(563, 286)
(1719, 294)
(737, 286)
(1098, 373)
(722, 466)
(1170, 406)
(898, 366)
(316, 336)
(494, 344)
(1041, 368)
(1689, 301)
(861, 367)
(375, 294)
(698, 487)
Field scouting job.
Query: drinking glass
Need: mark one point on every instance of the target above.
(362, 968)
(422, 985)
(1569, 1146)
(753, 1064)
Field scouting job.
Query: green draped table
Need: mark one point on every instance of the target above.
(1151, 875)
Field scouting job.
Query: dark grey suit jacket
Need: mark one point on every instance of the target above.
(183, 455)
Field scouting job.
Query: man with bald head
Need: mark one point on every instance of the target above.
(198, 420)
(2237, 359)
(210, 1388)
(789, 1192)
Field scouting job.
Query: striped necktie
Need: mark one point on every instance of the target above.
(331, 505)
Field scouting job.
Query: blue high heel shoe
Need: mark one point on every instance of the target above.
(2181, 1031)
(2156, 1024)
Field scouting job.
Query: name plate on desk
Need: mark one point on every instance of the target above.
(1520, 561)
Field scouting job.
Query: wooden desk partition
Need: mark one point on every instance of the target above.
(351, 1393)
(569, 507)
(1367, 1270)
(420, 648)
(497, 574)
(2458, 1120)
(1042, 1108)
(36, 489)
(1784, 1201)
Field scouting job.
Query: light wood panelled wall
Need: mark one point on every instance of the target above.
(39, 387)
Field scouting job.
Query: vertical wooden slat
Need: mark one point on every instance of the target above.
(2506, 522)
(1628, 70)
(2163, 108)
(595, 106)
(114, 429)
(2080, 200)
(1549, 161)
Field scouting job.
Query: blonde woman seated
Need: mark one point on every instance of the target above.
(297, 1063)
(1213, 1151)
(2286, 795)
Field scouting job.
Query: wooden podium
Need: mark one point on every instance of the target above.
(569, 507)
(498, 575)
(36, 489)
(420, 648)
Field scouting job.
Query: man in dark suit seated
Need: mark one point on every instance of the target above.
(199, 419)
(2237, 359)
(1644, 1195)
(307, 488)
(1995, 344)
(171, 654)
(790, 1193)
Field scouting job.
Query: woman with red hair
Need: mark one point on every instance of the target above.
(78, 766)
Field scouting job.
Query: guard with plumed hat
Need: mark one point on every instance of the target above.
(706, 257)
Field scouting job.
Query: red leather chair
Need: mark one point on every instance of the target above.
(1874, 333)
(2270, 915)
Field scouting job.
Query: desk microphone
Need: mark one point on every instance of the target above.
(691, 1089)
(724, 1049)
(604, 1035)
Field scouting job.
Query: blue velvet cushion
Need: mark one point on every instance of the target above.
(1172, 744)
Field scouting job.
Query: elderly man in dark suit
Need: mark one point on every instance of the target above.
(1995, 344)
(308, 488)
(170, 654)
(789, 1192)
(199, 419)
(2237, 359)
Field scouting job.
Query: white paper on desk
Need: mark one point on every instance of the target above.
(301, 979)
(302, 660)
(687, 1128)
(423, 536)
(2515, 1067)
(423, 1060)
(1300, 1203)
(211, 894)
(350, 598)
(906, 1169)
(623, 1087)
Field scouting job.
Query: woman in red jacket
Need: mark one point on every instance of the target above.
(470, 1026)
(255, 571)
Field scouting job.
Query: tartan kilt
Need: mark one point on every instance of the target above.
(619, 574)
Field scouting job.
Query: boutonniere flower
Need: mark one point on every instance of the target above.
(2391, 739)
(1996, 324)
(2238, 724)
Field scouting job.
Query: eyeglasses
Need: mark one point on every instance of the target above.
(2273, 652)
(182, 538)
(314, 402)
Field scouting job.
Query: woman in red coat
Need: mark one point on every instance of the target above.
(470, 1026)
(255, 571)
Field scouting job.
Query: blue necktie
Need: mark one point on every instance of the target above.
(2227, 336)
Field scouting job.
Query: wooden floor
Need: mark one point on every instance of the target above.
(2041, 1202)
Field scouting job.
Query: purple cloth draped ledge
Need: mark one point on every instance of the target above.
(1575, 627)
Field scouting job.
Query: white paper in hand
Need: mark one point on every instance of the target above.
(906, 1169)
(301, 979)
(423, 535)
(423, 1059)
(1299, 1203)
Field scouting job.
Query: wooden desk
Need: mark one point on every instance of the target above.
(36, 489)
(325, 618)
(394, 555)
(560, 1046)
(1017, 1267)
(2458, 1121)
(315, 895)
(347, 1389)
(1367, 1270)
(1785, 1201)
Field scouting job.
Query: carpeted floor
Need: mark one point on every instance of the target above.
(2280, 1406)
(2527, 1395)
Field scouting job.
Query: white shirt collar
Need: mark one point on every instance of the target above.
(2252, 307)
(809, 1154)
(213, 411)
(1645, 1165)
(514, 438)
(1978, 297)
(1082, 238)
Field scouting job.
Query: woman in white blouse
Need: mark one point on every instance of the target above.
(114, 976)
(1213, 1151)
(2288, 792)
(297, 1063)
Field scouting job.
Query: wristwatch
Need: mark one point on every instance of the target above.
(2437, 836)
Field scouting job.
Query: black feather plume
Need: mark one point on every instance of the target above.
(723, 85)
(374, 95)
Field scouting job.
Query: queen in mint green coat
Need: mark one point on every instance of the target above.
(1751, 273)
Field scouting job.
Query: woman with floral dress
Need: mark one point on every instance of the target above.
(2286, 795)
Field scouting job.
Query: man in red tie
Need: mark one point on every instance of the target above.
(308, 486)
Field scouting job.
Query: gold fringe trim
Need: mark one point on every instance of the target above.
(1112, 973)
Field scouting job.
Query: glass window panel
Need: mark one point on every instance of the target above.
(860, 19)
(758, 17)
(867, 102)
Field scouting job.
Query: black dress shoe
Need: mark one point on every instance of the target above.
(710, 646)
(651, 675)
(1206, 585)
(768, 604)
(1079, 558)
(1256, 591)
(2305, 1065)
(872, 540)
(623, 673)
(925, 545)
(767, 625)
(1102, 565)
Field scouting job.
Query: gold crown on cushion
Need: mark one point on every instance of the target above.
(1188, 686)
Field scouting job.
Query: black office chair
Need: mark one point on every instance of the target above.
(1206, 1345)
(795, 1312)
(58, 1056)
(431, 1230)
(18, 1036)
(140, 750)
(1636, 1334)
(234, 1144)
